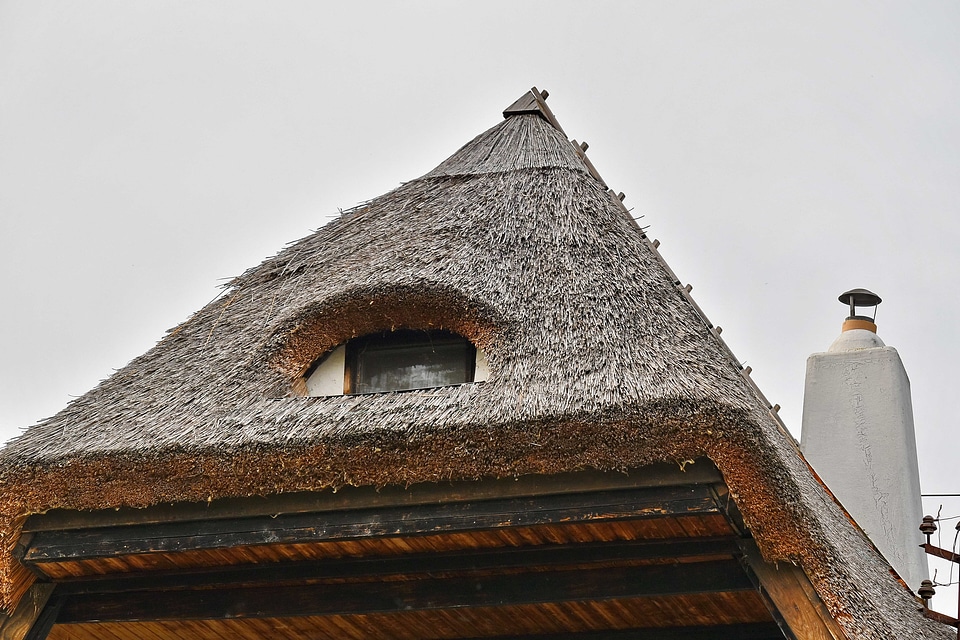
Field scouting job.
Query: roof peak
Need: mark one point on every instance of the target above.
(535, 102)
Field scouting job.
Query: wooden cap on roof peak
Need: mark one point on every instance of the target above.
(533, 102)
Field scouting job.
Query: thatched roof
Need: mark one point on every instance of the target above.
(598, 360)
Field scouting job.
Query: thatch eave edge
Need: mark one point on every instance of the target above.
(760, 468)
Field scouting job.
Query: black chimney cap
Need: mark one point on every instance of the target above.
(860, 298)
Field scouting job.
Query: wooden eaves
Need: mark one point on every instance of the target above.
(615, 545)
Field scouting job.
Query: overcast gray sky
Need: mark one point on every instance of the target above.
(782, 153)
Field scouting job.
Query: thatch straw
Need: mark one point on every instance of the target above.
(597, 361)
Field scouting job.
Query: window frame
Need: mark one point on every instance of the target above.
(386, 341)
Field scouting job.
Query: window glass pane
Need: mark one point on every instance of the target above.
(405, 360)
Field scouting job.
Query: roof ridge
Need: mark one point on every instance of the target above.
(534, 102)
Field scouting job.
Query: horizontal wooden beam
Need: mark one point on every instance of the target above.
(476, 560)
(370, 597)
(703, 471)
(941, 617)
(47, 546)
(937, 552)
(753, 631)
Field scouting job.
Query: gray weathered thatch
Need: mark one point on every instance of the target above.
(598, 360)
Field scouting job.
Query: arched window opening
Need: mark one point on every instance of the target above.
(397, 361)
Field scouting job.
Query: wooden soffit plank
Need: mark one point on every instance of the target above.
(379, 567)
(753, 631)
(606, 583)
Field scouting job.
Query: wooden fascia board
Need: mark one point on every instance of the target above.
(701, 471)
(605, 506)
(790, 591)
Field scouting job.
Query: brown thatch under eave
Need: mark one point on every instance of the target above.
(597, 361)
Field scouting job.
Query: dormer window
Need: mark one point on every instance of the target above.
(396, 361)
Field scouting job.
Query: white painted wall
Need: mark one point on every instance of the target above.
(481, 370)
(858, 435)
(327, 378)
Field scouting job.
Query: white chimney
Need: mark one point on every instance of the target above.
(858, 435)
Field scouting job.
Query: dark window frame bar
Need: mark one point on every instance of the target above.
(402, 338)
